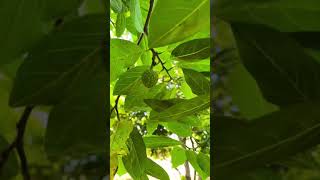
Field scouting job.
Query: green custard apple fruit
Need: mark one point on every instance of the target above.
(149, 78)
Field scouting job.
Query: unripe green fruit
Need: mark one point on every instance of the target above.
(149, 78)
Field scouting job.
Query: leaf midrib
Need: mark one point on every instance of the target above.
(178, 23)
(63, 75)
(268, 148)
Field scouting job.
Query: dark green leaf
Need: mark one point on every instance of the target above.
(61, 8)
(155, 170)
(46, 74)
(173, 21)
(159, 141)
(246, 94)
(198, 83)
(196, 49)
(243, 147)
(21, 27)
(76, 126)
(276, 61)
(183, 109)
(160, 105)
(284, 15)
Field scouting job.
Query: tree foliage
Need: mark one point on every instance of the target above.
(159, 88)
(266, 124)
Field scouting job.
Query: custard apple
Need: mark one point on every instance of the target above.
(149, 78)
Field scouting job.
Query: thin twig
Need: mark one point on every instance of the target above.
(146, 24)
(19, 145)
(115, 107)
(156, 54)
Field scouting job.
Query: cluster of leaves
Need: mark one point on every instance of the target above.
(53, 61)
(171, 38)
(271, 54)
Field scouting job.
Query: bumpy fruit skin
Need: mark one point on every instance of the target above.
(149, 78)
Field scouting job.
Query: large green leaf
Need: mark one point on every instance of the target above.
(173, 21)
(129, 80)
(76, 126)
(246, 94)
(178, 156)
(21, 27)
(159, 141)
(198, 83)
(182, 129)
(135, 14)
(46, 74)
(123, 54)
(135, 162)
(200, 162)
(243, 147)
(60, 8)
(155, 170)
(284, 15)
(196, 49)
(276, 61)
(117, 6)
(120, 24)
(183, 109)
(10, 169)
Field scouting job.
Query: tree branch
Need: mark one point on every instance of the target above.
(19, 145)
(146, 24)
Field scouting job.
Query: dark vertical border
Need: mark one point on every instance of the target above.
(107, 60)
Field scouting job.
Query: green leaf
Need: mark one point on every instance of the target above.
(153, 169)
(180, 128)
(76, 126)
(123, 54)
(119, 138)
(178, 156)
(198, 83)
(246, 94)
(60, 8)
(196, 49)
(273, 137)
(283, 65)
(284, 15)
(45, 76)
(200, 162)
(135, 162)
(117, 6)
(135, 100)
(160, 105)
(159, 141)
(200, 66)
(128, 80)
(120, 24)
(146, 56)
(10, 168)
(183, 109)
(174, 21)
(135, 14)
(21, 27)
